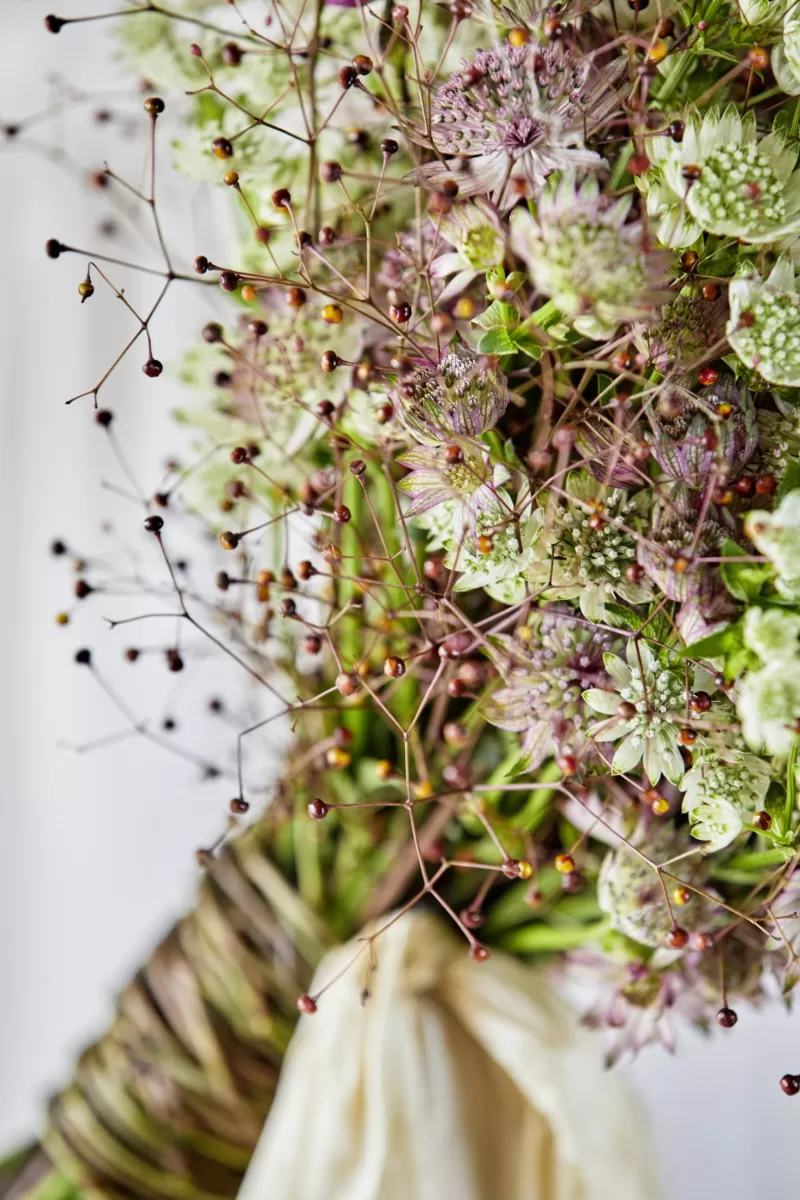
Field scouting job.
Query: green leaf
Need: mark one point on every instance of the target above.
(715, 645)
(496, 341)
(526, 343)
(537, 938)
(498, 315)
(744, 580)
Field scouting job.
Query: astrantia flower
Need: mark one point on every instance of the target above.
(592, 546)
(443, 473)
(779, 438)
(764, 323)
(628, 889)
(657, 693)
(544, 678)
(777, 535)
(683, 421)
(513, 115)
(499, 563)
(463, 397)
(747, 187)
(688, 330)
(768, 704)
(639, 1000)
(413, 252)
(478, 241)
(611, 454)
(674, 550)
(772, 633)
(580, 251)
(721, 792)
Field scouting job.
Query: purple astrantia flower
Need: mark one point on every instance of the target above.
(464, 397)
(413, 254)
(687, 330)
(544, 677)
(514, 115)
(696, 433)
(614, 456)
(451, 472)
(671, 553)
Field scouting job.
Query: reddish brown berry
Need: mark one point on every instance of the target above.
(318, 810)
(306, 1005)
(677, 938)
(790, 1084)
(727, 1018)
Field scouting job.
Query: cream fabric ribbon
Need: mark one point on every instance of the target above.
(455, 1079)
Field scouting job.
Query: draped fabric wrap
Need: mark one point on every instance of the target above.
(453, 1078)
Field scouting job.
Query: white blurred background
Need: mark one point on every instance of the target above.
(96, 849)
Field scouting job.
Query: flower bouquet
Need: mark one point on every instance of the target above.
(497, 444)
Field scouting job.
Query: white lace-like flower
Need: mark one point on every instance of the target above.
(769, 706)
(478, 241)
(777, 536)
(772, 633)
(764, 324)
(501, 569)
(721, 791)
(747, 187)
(779, 438)
(657, 693)
(628, 888)
(589, 557)
(580, 251)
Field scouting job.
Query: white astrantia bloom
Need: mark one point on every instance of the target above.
(581, 250)
(764, 324)
(772, 633)
(722, 791)
(587, 561)
(658, 696)
(768, 704)
(747, 186)
(777, 536)
(476, 235)
(501, 572)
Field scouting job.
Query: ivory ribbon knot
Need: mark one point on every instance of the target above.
(454, 1080)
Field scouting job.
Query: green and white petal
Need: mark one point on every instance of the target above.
(619, 672)
(627, 755)
(602, 701)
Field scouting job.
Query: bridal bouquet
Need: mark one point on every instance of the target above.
(497, 445)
